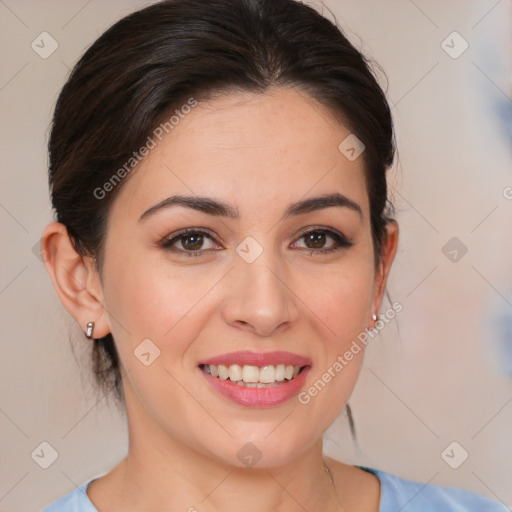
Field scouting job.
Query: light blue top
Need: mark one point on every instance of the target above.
(396, 495)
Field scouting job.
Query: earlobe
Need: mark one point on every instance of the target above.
(74, 278)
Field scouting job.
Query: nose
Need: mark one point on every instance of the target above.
(259, 298)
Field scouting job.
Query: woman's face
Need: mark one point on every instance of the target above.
(256, 282)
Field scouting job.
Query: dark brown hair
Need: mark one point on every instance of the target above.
(154, 60)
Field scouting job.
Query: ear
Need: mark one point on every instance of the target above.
(75, 279)
(388, 251)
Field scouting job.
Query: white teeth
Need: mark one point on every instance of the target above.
(223, 372)
(235, 372)
(253, 376)
(250, 374)
(267, 374)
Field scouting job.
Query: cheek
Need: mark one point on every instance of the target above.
(339, 296)
(340, 305)
(156, 301)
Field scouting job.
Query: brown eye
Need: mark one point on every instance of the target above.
(315, 240)
(189, 242)
(192, 242)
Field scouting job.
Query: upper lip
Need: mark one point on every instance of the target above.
(258, 359)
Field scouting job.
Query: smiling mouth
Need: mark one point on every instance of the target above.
(250, 376)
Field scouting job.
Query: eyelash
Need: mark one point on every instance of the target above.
(341, 242)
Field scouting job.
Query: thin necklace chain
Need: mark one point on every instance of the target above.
(329, 474)
(328, 471)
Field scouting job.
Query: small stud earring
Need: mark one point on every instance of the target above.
(90, 327)
(374, 317)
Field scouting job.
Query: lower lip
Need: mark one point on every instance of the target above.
(258, 397)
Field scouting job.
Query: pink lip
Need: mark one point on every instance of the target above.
(258, 359)
(258, 397)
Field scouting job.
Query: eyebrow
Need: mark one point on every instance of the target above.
(215, 207)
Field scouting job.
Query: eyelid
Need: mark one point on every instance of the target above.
(167, 240)
(215, 238)
(341, 241)
(327, 229)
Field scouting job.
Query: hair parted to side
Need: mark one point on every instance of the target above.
(154, 60)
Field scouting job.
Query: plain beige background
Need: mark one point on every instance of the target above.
(436, 376)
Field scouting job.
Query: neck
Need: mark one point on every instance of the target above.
(161, 473)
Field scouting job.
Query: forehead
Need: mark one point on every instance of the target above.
(284, 122)
(252, 149)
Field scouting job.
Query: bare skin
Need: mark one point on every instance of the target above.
(260, 153)
(356, 490)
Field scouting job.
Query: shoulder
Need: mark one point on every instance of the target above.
(74, 501)
(409, 496)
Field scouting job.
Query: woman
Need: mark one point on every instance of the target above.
(223, 237)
